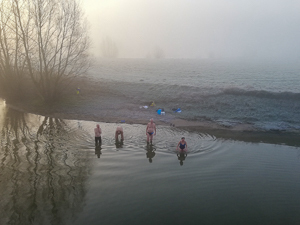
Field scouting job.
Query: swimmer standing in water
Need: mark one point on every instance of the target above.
(98, 133)
(150, 130)
(182, 145)
(119, 131)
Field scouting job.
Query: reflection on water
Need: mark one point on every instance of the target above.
(98, 151)
(181, 157)
(51, 172)
(150, 151)
(42, 180)
(45, 163)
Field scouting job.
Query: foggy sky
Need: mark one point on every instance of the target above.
(266, 29)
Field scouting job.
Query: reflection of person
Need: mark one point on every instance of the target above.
(150, 130)
(182, 145)
(98, 133)
(181, 156)
(150, 152)
(98, 151)
(119, 131)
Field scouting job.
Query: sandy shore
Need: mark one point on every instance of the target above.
(99, 102)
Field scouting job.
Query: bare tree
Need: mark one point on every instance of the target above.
(109, 48)
(12, 61)
(50, 43)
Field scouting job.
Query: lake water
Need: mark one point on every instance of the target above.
(265, 95)
(51, 173)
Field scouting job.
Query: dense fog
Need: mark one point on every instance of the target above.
(216, 29)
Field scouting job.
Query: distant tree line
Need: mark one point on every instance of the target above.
(43, 42)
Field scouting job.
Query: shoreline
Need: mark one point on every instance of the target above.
(100, 102)
(241, 132)
(137, 118)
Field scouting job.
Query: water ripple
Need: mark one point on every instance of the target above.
(164, 142)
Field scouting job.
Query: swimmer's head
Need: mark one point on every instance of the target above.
(151, 120)
(182, 138)
(98, 126)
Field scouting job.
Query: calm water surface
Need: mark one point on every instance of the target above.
(51, 173)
